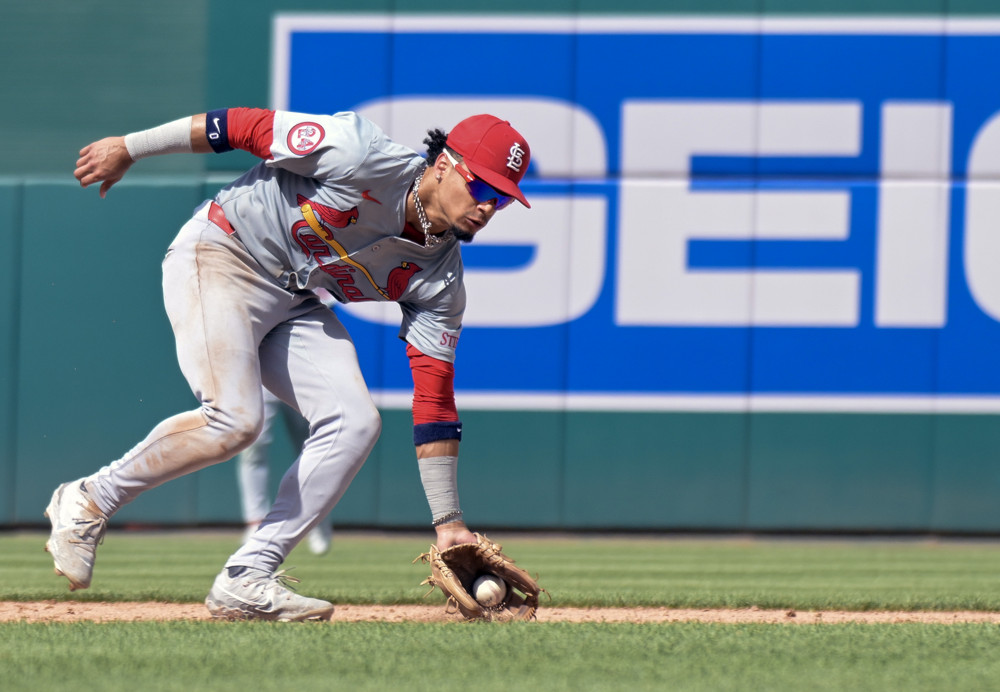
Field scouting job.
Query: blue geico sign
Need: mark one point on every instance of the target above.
(728, 213)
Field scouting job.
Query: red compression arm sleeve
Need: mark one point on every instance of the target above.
(433, 388)
(252, 129)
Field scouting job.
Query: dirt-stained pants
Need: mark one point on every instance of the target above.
(236, 328)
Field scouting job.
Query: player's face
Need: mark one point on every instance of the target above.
(459, 192)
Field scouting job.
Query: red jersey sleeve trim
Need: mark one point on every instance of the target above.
(433, 388)
(252, 129)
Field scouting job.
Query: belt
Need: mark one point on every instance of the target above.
(218, 217)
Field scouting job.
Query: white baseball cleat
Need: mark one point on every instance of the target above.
(319, 539)
(78, 527)
(257, 595)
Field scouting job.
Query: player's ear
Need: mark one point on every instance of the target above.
(441, 164)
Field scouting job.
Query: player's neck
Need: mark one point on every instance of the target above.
(419, 222)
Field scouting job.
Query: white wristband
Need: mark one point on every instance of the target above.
(171, 138)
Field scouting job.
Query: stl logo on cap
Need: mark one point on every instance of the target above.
(516, 157)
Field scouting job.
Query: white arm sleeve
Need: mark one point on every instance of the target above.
(171, 138)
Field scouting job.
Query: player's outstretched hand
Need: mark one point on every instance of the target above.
(454, 533)
(105, 161)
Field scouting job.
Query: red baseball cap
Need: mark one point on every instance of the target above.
(494, 151)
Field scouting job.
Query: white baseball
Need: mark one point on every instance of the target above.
(489, 590)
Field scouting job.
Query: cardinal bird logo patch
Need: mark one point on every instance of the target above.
(399, 279)
(334, 218)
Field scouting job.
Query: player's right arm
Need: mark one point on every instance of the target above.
(107, 160)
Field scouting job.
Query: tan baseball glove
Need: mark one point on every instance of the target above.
(456, 569)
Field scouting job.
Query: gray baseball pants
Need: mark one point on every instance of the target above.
(235, 328)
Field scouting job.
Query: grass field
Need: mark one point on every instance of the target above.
(577, 571)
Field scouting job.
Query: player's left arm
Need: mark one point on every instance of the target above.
(455, 531)
(437, 432)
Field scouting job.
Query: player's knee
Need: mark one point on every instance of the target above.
(242, 434)
(370, 426)
(364, 425)
(234, 433)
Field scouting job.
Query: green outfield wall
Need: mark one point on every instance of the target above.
(87, 359)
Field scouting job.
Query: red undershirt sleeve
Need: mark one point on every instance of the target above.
(433, 388)
(252, 129)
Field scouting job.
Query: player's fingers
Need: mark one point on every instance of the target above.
(88, 178)
(88, 175)
(86, 167)
(82, 173)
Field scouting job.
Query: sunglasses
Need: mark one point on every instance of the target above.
(481, 192)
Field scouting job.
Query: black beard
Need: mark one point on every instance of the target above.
(463, 236)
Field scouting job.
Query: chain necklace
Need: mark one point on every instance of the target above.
(429, 240)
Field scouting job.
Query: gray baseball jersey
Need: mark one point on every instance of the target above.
(327, 211)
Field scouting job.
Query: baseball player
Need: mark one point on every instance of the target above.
(253, 473)
(334, 204)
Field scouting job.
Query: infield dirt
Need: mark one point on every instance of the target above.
(72, 611)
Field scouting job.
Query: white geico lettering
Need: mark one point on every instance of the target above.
(660, 214)
(914, 189)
